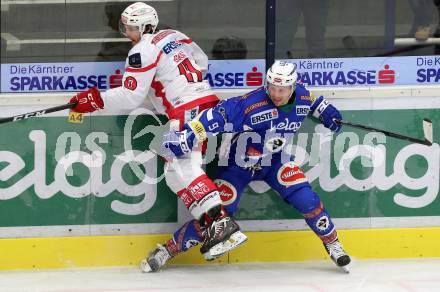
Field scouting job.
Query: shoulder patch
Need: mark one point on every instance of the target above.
(130, 83)
(135, 60)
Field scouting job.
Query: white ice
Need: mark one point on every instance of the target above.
(372, 275)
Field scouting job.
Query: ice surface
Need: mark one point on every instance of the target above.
(372, 275)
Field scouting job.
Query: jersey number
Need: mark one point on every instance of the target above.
(186, 68)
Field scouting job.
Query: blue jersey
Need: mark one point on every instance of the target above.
(269, 127)
(263, 130)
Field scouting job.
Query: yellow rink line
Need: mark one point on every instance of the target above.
(99, 251)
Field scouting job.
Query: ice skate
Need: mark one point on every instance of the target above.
(155, 260)
(338, 255)
(221, 236)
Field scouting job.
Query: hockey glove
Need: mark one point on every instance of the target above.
(88, 101)
(177, 143)
(329, 117)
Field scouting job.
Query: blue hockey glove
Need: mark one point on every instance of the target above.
(178, 143)
(329, 117)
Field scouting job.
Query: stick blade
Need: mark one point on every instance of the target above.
(427, 130)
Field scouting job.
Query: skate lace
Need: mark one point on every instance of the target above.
(335, 249)
(218, 226)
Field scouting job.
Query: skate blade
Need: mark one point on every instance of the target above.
(345, 269)
(236, 239)
(208, 256)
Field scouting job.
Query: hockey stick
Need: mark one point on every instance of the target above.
(37, 113)
(427, 131)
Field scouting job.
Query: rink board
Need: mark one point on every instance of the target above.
(284, 246)
(93, 213)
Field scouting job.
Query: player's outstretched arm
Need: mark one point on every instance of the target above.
(227, 116)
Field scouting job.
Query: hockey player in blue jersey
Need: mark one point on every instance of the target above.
(264, 121)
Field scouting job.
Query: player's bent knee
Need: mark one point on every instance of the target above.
(304, 199)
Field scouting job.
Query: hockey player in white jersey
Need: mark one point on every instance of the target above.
(167, 66)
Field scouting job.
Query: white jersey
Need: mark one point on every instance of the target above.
(168, 67)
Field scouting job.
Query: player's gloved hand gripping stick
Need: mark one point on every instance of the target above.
(84, 102)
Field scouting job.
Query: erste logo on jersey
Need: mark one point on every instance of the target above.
(228, 193)
(171, 46)
(290, 174)
(302, 110)
(264, 116)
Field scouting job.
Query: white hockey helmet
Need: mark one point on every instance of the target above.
(282, 73)
(138, 15)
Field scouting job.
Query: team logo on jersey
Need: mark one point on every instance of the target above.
(323, 223)
(130, 83)
(135, 60)
(275, 144)
(264, 116)
(290, 174)
(286, 125)
(302, 110)
(228, 193)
